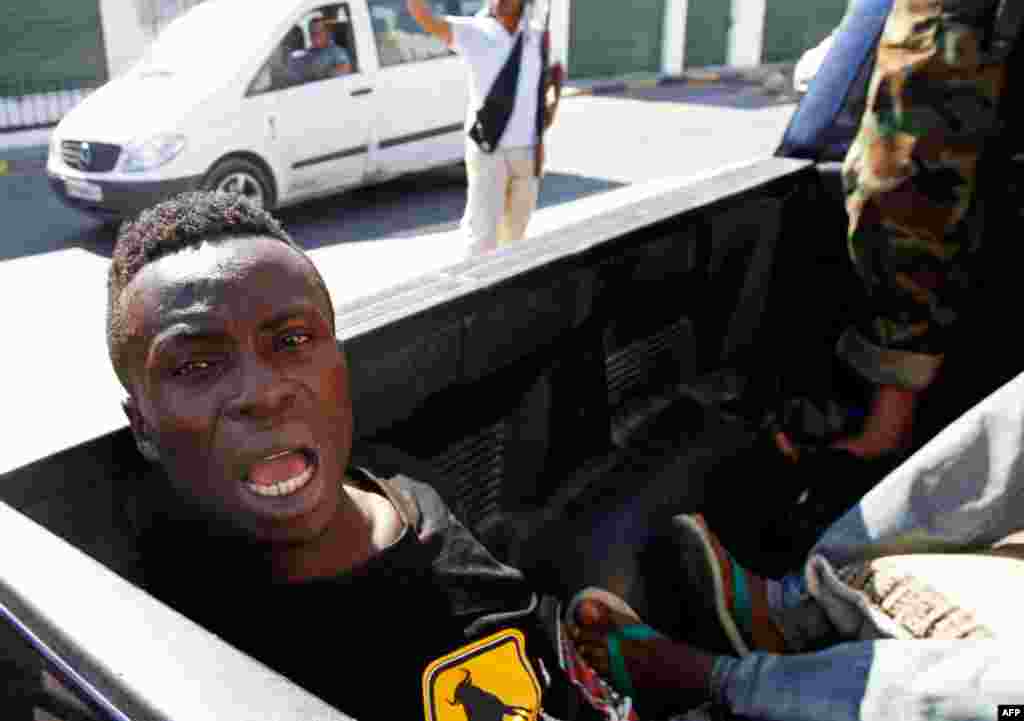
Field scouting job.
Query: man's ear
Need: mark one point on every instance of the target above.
(143, 438)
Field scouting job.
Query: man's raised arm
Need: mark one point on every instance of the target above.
(430, 22)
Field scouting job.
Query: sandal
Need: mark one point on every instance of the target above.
(620, 679)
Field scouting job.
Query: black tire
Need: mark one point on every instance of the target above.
(112, 227)
(456, 171)
(250, 179)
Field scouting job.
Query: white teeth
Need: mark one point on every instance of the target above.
(283, 488)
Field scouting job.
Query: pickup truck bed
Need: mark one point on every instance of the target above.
(564, 396)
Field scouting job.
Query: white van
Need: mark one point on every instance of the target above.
(226, 99)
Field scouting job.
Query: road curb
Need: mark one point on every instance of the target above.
(612, 86)
(24, 165)
(769, 74)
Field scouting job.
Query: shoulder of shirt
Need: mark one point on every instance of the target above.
(479, 22)
(419, 504)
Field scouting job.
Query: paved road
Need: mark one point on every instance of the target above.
(600, 142)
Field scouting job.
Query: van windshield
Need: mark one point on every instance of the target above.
(211, 35)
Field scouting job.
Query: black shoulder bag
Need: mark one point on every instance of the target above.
(492, 118)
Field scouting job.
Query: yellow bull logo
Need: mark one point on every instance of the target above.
(488, 680)
(481, 705)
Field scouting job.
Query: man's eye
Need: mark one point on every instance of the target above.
(296, 339)
(191, 368)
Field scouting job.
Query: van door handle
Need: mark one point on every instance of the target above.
(362, 91)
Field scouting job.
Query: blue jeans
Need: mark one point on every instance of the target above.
(962, 491)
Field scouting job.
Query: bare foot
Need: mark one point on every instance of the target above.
(665, 673)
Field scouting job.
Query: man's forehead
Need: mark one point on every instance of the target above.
(256, 270)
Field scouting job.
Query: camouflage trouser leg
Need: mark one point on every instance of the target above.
(910, 180)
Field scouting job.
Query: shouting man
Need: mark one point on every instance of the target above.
(265, 525)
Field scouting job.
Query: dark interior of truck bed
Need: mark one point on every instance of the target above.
(567, 403)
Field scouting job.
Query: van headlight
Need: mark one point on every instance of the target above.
(152, 153)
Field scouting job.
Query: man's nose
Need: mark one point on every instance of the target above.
(264, 392)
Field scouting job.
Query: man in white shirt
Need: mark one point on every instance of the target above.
(503, 184)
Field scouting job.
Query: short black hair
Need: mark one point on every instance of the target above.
(185, 221)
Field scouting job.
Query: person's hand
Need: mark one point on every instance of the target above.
(438, 27)
(557, 75)
(554, 81)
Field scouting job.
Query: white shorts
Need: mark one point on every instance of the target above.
(502, 195)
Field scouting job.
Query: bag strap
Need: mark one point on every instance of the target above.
(493, 116)
(545, 51)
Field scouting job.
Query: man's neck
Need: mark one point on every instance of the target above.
(366, 523)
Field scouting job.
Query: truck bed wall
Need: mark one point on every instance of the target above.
(524, 383)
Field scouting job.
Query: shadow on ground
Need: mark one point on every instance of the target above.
(35, 221)
(431, 202)
(413, 205)
(740, 96)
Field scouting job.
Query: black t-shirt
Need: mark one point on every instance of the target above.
(433, 592)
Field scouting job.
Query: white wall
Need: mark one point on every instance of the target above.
(746, 36)
(123, 34)
(673, 41)
(129, 26)
(561, 17)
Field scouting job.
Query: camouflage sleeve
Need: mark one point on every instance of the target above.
(910, 178)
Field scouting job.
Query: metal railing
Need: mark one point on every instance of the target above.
(36, 104)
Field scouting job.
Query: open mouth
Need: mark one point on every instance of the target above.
(282, 474)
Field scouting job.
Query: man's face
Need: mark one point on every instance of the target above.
(319, 34)
(239, 383)
(507, 8)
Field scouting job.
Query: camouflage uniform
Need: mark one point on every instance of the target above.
(910, 179)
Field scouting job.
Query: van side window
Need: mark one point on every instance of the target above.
(399, 37)
(321, 45)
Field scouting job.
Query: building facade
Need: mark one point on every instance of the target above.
(53, 52)
(610, 37)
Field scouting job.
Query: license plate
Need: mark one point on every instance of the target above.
(83, 189)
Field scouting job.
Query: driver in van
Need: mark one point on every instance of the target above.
(327, 564)
(325, 58)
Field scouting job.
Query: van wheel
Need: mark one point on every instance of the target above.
(112, 227)
(236, 175)
(458, 172)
